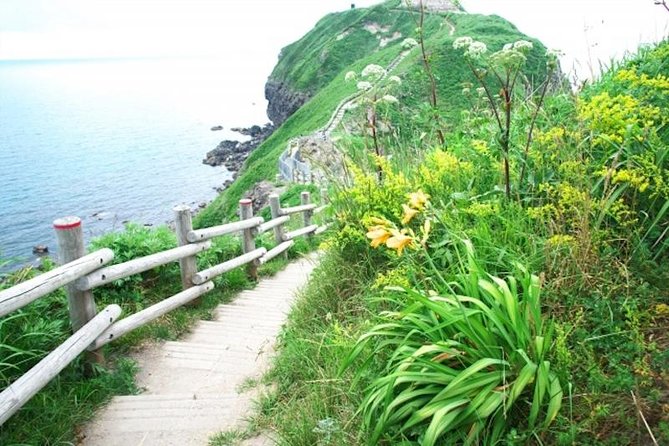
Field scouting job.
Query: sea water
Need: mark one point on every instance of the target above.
(112, 141)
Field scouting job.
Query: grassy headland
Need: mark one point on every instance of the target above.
(447, 311)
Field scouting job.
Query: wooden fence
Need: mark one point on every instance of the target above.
(81, 273)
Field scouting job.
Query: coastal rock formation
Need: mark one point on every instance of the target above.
(232, 154)
(282, 101)
(321, 154)
(40, 249)
(260, 193)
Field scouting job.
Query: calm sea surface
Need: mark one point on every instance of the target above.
(111, 141)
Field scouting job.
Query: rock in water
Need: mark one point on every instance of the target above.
(40, 249)
(232, 154)
(216, 128)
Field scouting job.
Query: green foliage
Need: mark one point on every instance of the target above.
(301, 66)
(26, 336)
(466, 364)
(338, 41)
(589, 227)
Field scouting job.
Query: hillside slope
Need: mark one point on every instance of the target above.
(315, 66)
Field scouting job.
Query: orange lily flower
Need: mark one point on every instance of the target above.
(379, 235)
(418, 199)
(399, 241)
(408, 214)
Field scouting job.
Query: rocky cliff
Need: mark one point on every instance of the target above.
(282, 101)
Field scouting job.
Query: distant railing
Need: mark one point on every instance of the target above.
(291, 168)
(81, 273)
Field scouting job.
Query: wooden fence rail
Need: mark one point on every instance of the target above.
(24, 293)
(24, 388)
(81, 273)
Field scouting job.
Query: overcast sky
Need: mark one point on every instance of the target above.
(587, 30)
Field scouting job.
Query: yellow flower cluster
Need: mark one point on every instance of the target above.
(481, 147)
(633, 177)
(482, 210)
(551, 138)
(566, 202)
(395, 277)
(383, 232)
(659, 82)
(441, 168)
(614, 119)
(561, 240)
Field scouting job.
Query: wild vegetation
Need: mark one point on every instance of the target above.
(509, 286)
(353, 53)
(505, 285)
(29, 334)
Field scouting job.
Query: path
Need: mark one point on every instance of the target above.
(338, 113)
(193, 386)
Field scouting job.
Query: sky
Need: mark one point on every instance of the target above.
(588, 31)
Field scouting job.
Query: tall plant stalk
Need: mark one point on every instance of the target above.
(428, 68)
(505, 67)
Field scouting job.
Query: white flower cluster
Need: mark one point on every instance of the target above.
(476, 50)
(552, 58)
(555, 54)
(389, 99)
(364, 85)
(462, 42)
(395, 80)
(374, 71)
(512, 55)
(523, 46)
(351, 75)
(473, 48)
(409, 43)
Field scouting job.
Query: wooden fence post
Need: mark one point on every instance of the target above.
(305, 198)
(183, 221)
(81, 304)
(248, 242)
(324, 196)
(275, 207)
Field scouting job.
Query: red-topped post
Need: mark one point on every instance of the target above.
(81, 304)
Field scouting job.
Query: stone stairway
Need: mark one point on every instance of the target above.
(193, 387)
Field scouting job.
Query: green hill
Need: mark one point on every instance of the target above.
(315, 66)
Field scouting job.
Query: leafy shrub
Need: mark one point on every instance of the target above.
(467, 364)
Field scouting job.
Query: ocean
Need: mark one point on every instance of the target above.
(112, 141)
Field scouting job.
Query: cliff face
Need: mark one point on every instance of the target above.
(282, 100)
(339, 39)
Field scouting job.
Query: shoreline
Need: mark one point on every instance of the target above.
(228, 153)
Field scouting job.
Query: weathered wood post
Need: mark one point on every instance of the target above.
(248, 242)
(81, 304)
(183, 223)
(324, 196)
(305, 198)
(275, 208)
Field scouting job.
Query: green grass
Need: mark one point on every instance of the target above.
(27, 335)
(589, 226)
(302, 67)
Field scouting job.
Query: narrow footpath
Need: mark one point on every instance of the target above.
(194, 387)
